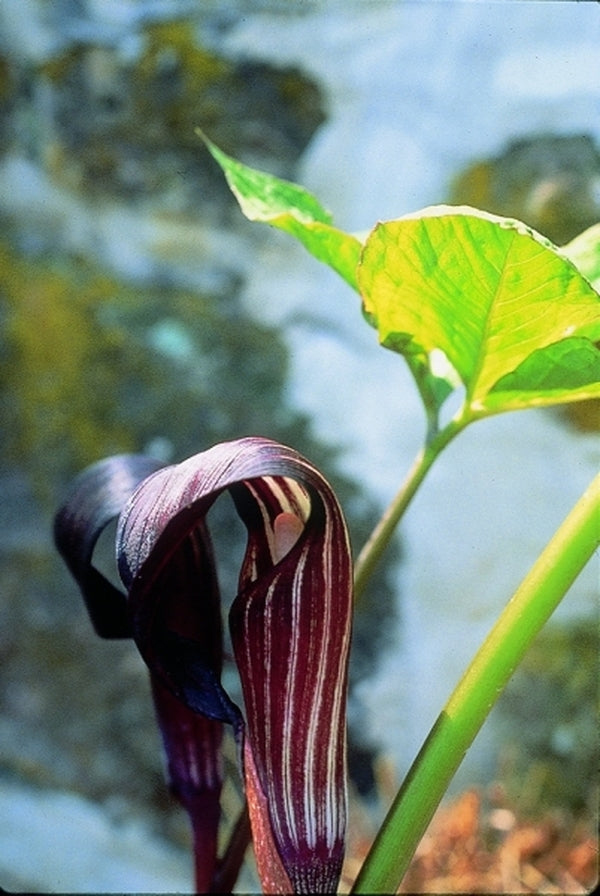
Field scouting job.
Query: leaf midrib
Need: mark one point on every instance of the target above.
(482, 354)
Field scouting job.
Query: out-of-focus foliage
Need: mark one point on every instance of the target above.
(552, 702)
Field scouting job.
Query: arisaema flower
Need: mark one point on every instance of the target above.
(290, 630)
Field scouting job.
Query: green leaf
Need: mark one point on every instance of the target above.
(584, 252)
(554, 373)
(487, 292)
(289, 207)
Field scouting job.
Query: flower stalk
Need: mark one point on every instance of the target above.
(561, 561)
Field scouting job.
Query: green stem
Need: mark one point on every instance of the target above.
(380, 537)
(530, 607)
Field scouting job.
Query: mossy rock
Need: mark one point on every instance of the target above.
(126, 127)
(550, 182)
(94, 367)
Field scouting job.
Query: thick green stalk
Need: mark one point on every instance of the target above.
(371, 553)
(530, 607)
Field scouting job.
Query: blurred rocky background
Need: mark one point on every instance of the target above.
(140, 311)
(121, 258)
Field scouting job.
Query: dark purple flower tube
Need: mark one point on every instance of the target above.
(192, 741)
(290, 627)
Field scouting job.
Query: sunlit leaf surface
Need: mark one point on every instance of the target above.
(481, 291)
(487, 292)
(289, 207)
(549, 375)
